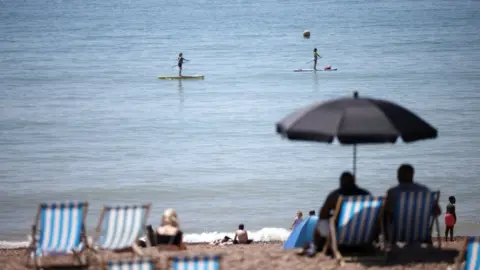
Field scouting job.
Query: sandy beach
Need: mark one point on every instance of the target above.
(271, 256)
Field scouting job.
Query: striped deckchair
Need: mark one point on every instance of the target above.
(210, 262)
(59, 230)
(120, 227)
(471, 248)
(412, 218)
(140, 264)
(354, 223)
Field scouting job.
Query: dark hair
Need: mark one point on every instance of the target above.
(241, 226)
(347, 179)
(405, 173)
(315, 49)
(312, 213)
(452, 199)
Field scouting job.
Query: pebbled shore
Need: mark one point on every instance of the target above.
(271, 256)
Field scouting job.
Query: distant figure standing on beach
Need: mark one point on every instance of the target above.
(297, 219)
(450, 218)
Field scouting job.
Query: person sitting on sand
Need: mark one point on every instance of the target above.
(405, 183)
(169, 233)
(347, 187)
(297, 220)
(241, 236)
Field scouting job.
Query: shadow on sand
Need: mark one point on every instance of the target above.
(413, 255)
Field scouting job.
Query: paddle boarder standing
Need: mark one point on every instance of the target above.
(315, 57)
(180, 63)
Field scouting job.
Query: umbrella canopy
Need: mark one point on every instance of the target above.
(301, 233)
(355, 121)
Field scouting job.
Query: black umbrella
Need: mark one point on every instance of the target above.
(355, 121)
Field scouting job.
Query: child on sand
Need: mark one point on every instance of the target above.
(450, 218)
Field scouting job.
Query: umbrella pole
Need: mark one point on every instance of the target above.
(354, 159)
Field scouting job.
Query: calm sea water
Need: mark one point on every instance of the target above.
(83, 117)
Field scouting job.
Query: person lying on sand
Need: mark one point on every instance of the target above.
(222, 242)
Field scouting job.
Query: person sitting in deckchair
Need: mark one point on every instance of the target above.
(348, 187)
(405, 183)
(169, 233)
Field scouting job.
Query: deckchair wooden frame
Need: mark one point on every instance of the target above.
(104, 265)
(136, 250)
(461, 256)
(437, 222)
(332, 237)
(170, 258)
(76, 255)
(459, 261)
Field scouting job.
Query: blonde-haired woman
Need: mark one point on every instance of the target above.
(169, 232)
(298, 219)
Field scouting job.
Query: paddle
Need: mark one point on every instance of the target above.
(186, 60)
(313, 60)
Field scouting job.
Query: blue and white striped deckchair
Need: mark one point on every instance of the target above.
(204, 262)
(59, 230)
(354, 222)
(413, 219)
(130, 265)
(472, 250)
(120, 227)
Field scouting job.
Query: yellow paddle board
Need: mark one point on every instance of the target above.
(200, 77)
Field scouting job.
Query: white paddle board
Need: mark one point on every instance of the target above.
(312, 70)
(201, 77)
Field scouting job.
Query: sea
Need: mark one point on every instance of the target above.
(83, 115)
